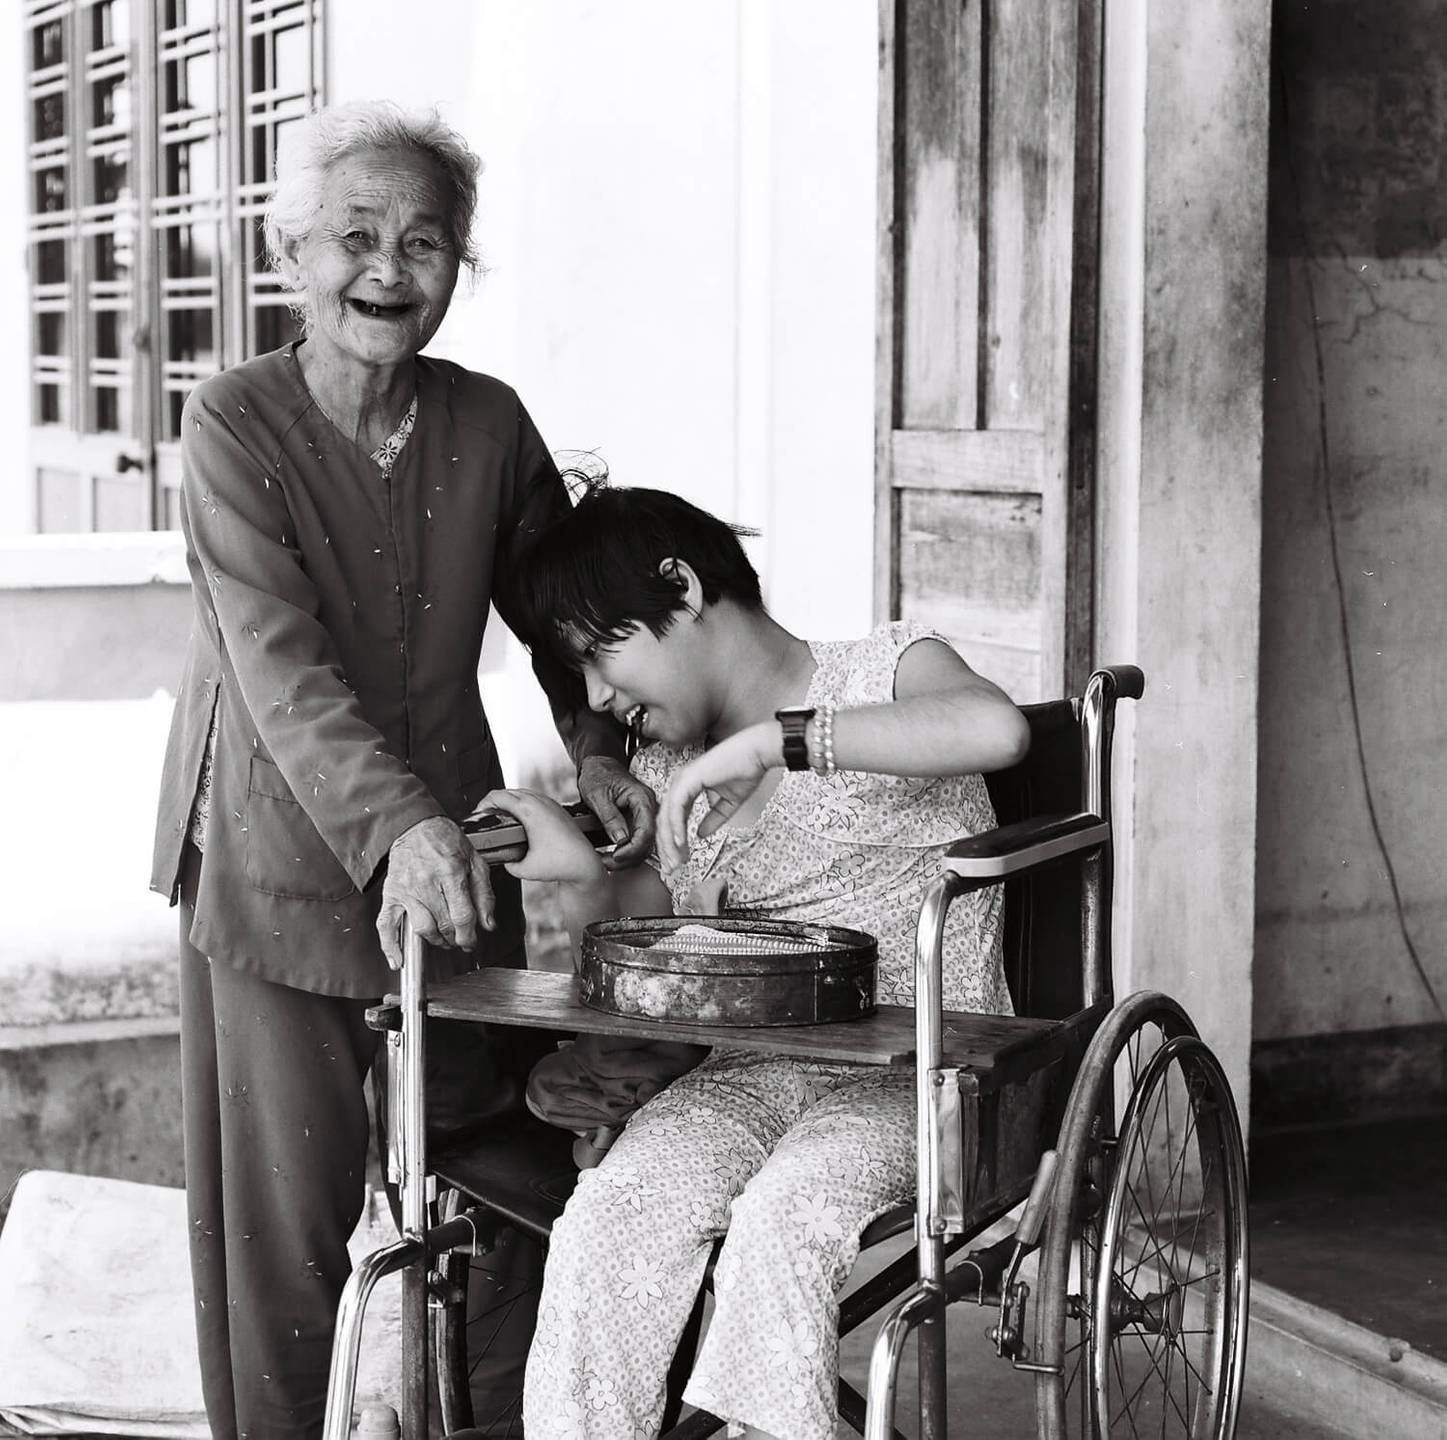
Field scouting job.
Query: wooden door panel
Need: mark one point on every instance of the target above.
(970, 566)
(987, 246)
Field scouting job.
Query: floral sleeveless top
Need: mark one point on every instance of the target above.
(856, 849)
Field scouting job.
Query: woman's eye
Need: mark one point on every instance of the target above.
(357, 239)
(422, 245)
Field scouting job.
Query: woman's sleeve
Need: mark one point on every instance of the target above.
(359, 796)
(541, 499)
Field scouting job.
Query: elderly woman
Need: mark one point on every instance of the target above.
(351, 508)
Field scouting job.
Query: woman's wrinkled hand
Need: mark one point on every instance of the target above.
(625, 805)
(557, 849)
(727, 775)
(439, 882)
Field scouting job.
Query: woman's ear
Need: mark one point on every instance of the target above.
(680, 571)
(289, 255)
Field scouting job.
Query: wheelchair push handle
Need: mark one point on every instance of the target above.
(1129, 680)
(501, 839)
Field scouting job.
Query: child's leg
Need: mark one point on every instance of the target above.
(627, 1256)
(770, 1356)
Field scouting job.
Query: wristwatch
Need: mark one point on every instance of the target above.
(794, 722)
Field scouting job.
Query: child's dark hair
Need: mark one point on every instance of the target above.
(596, 575)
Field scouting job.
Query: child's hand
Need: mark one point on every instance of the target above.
(557, 849)
(728, 774)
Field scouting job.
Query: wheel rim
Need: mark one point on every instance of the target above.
(1168, 1311)
(1114, 1063)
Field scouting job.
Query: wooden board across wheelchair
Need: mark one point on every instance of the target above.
(994, 1047)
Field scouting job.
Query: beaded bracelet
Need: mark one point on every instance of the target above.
(821, 741)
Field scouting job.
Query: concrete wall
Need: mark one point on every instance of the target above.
(1183, 276)
(1354, 586)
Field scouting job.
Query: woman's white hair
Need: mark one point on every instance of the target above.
(326, 136)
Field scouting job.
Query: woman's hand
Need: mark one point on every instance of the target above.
(727, 774)
(625, 805)
(440, 883)
(557, 849)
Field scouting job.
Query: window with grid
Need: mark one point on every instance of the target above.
(152, 127)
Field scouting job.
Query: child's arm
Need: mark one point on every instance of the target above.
(557, 851)
(944, 720)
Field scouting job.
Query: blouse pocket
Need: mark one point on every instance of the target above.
(285, 853)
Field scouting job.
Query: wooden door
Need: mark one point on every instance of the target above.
(985, 424)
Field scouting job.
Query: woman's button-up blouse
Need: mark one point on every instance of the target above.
(338, 626)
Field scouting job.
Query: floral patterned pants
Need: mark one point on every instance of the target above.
(793, 1160)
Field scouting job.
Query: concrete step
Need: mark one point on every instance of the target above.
(92, 1097)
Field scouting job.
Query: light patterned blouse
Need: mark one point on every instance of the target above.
(852, 848)
(385, 458)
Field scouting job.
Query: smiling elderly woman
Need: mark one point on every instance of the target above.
(351, 508)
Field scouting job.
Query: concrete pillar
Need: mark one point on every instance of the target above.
(1182, 304)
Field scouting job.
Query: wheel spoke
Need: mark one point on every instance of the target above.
(1120, 1375)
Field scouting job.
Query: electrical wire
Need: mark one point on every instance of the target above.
(1343, 616)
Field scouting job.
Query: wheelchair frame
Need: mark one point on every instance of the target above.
(986, 1116)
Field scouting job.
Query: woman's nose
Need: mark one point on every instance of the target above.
(599, 693)
(388, 266)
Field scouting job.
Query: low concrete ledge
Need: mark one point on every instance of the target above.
(1343, 1377)
(50, 562)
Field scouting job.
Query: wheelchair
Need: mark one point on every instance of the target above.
(1113, 1123)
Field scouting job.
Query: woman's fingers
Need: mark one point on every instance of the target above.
(641, 808)
(721, 810)
(480, 881)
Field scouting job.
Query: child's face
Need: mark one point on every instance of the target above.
(651, 683)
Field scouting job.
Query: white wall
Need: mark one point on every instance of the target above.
(678, 217)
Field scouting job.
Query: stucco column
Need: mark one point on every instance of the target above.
(1182, 303)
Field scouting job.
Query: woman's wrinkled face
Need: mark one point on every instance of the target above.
(378, 268)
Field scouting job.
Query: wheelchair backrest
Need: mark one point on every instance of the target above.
(1043, 953)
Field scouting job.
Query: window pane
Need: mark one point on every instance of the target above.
(189, 12)
(111, 101)
(47, 45)
(190, 337)
(113, 255)
(50, 116)
(291, 64)
(51, 193)
(171, 505)
(110, 23)
(52, 404)
(112, 338)
(50, 336)
(50, 266)
(275, 327)
(111, 176)
(191, 167)
(190, 251)
(107, 408)
(175, 403)
(191, 83)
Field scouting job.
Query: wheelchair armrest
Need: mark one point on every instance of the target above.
(1010, 849)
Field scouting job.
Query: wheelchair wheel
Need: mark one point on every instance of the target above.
(1141, 1298)
(482, 1323)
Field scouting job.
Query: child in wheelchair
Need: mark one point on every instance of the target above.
(832, 776)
